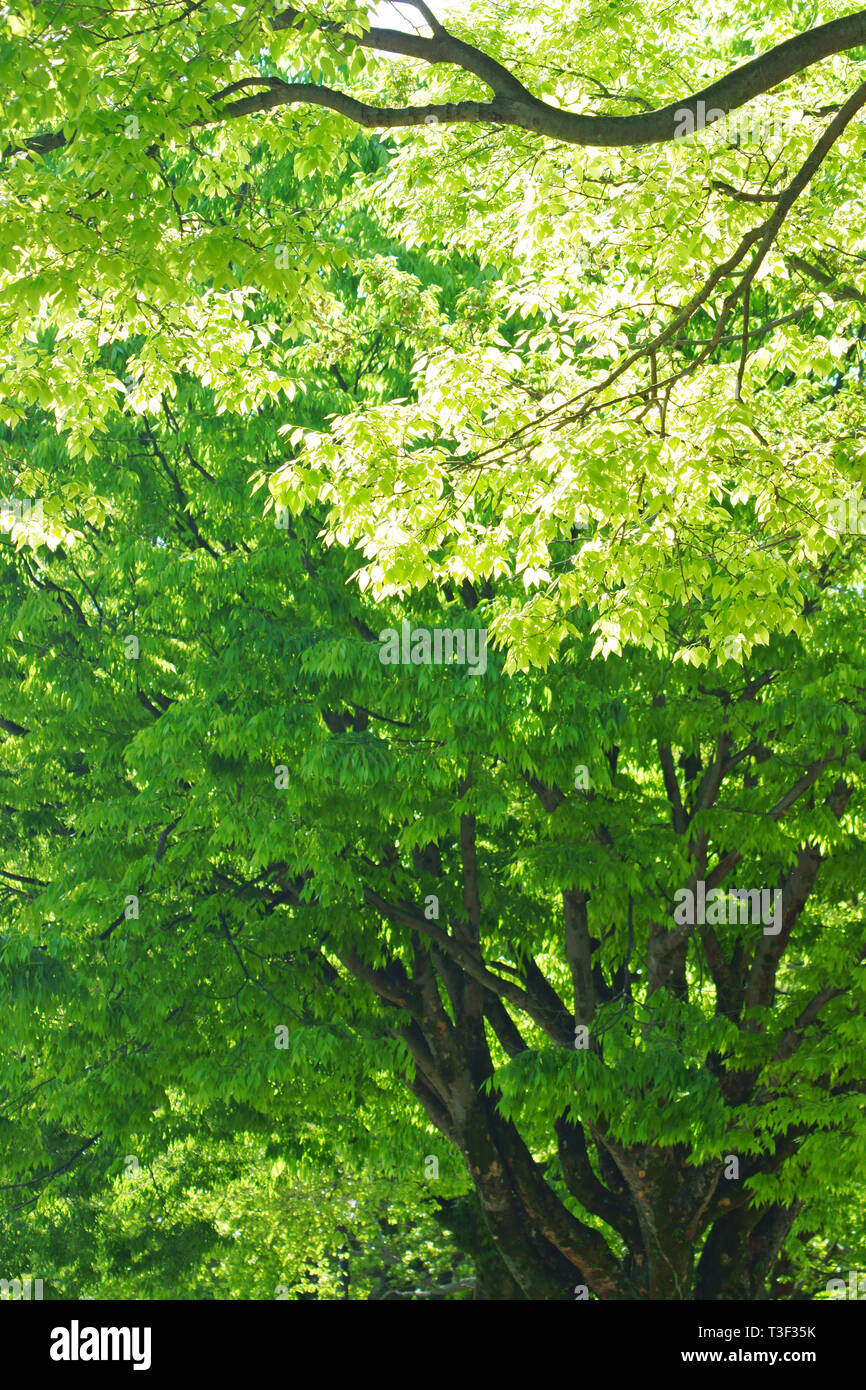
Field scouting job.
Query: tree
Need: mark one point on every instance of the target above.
(603, 407)
(215, 1206)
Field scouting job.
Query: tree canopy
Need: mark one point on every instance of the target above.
(540, 327)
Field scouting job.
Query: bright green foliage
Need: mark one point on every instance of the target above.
(288, 922)
(216, 1212)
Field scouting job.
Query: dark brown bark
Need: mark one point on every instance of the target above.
(512, 103)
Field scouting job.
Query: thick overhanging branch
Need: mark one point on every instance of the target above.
(360, 112)
(513, 104)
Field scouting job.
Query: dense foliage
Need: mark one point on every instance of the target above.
(353, 978)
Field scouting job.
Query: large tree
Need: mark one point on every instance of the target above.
(283, 387)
